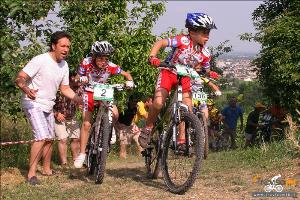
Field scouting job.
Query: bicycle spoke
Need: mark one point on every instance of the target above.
(181, 164)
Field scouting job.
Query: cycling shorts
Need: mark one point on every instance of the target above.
(88, 101)
(168, 80)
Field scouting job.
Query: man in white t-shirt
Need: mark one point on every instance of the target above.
(39, 81)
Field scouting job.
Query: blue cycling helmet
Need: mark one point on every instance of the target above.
(197, 21)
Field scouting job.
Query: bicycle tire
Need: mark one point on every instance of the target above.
(103, 142)
(153, 159)
(91, 157)
(198, 142)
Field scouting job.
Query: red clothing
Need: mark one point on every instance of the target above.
(184, 52)
(88, 68)
(167, 80)
(277, 112)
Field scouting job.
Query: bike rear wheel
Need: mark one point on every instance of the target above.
(103, 148)
(203, 122)
(180, 170)
(153, 158)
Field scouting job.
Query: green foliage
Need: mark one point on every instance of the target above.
(18, 23)
(127, 27)
(14, 155)
(247, 93)
(278, 26)
(250, 93)
(128, 30)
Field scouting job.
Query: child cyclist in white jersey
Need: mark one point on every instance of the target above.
(187, 50)
(99, 69)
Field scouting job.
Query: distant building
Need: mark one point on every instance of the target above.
(237, 68)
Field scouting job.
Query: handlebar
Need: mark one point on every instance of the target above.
(166, 65)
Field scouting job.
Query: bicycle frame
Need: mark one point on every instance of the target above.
(176, 107)
(106, 107)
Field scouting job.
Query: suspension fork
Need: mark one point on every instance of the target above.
(110, 118)
(110, 112)
(178, 107)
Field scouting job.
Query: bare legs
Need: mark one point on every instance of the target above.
(40, 149)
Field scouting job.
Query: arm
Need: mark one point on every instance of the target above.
(21, 80)
(56, 109)
(59, 116)
(127, 75)
(69, 93)
(213, 86)
(157, 46)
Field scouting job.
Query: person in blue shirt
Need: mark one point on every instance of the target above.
(230, 115)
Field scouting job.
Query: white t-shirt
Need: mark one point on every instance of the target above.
(46, 77)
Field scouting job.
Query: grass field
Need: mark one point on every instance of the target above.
(224, 175)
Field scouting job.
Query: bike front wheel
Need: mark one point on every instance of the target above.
(91, 154)
(180, 168)
(102, 151)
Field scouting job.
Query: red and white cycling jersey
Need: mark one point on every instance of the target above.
(183, 52)
(89, 69)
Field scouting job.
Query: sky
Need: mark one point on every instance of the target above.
(232, 18)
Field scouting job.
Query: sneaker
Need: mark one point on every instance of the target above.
(78, 163)
(33, 181)
(113, 136)
(145, 137)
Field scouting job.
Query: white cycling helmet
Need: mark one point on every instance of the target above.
(102, 48)
(199, 20)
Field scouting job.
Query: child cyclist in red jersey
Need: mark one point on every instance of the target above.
(187, 50)
(96, 68)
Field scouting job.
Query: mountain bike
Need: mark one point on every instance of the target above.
(201, 97)
(180, 166)
(101, 131)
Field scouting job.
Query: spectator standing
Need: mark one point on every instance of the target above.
(252, 124)
(230, 115)
(214, 119)
(142, 112)
(39, 81)
(66, 124)
(126, 127)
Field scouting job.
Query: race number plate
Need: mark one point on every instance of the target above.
(200, 96)
(182, 70)
(103, 92)
(194, 74)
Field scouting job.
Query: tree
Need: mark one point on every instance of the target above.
(278, 26)
(18, 23)
(126, 26)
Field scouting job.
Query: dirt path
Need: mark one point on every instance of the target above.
(126, 180)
